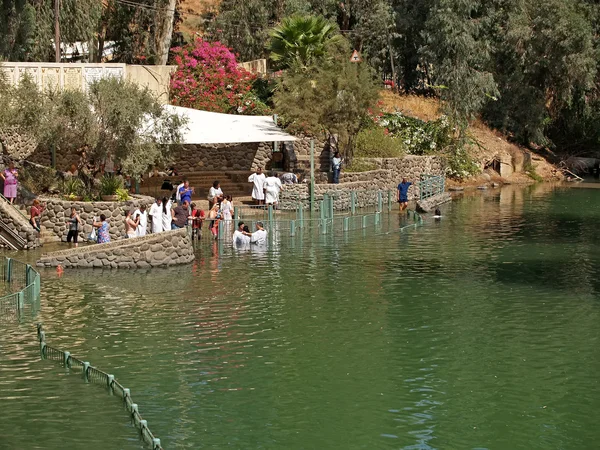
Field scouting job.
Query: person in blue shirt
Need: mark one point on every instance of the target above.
(185, 192)
(403, 193)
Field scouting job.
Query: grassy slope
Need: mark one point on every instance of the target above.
(491, 143)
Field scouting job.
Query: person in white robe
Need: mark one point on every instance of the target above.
(156, 214)
(142, 226)
(240, 240)
(272, 186)
(167, 217)
(258, 178)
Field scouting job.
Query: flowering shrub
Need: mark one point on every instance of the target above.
(418, 137)
(208, 78)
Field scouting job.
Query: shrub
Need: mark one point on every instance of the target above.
(37, 179)
(208, 78)
(360, 165)
(377, 143)
(72, 186)
(460, 164)
(419, 137)
(110, 184)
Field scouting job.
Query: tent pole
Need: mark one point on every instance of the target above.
(312, 175)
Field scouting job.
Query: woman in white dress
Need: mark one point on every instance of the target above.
(258, 193)
(227, 207)
(167, 218)
(215, 194)
(272, 187)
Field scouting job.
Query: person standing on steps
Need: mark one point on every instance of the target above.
(403, 193)
(215, 194)
(272, 186)
(258, 193)
(74, 223)
(36, 215)
(336, 163)
(10, 177)
(185, 193)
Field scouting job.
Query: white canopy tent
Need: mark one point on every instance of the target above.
(204, 127)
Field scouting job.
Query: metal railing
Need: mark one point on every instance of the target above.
(327, 220)
(20, 287)
(92, 374)
(430, 185)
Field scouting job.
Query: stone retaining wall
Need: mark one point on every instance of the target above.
(18, 223)
(58, 211)
(155, 250)
(366, 184)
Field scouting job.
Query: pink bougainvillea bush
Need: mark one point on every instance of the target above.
(209, 78)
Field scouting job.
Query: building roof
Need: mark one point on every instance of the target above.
(205, 127)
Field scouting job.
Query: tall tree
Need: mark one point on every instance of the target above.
(300, 40)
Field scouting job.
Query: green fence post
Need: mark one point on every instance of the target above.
(346, 223)
(236, 213)
(220, 229)
(331, 201)
(377, 218)
(270, 216)
(389, 200)
(364, 221)
(21, 301)
(353, 202)
(379, 201)
(301, 216)
(8, 270)
(292, 228)
(325, 204)
(312, 175)
(66, 358)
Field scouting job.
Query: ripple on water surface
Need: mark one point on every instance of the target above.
(479, 331)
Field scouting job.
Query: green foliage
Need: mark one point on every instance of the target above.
(72, 186)
(113, 117)
(360, 165)
(300, 41)
(122, 195)
(417, 136)
(334, 95)
(531, 172)
(460, 164)
(377, 143)
(110, 184)
(38, 179)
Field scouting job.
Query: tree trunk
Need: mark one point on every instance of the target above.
(165, 21)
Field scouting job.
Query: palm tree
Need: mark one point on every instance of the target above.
(300, 40)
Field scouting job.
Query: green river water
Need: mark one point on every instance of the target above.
(480, 331)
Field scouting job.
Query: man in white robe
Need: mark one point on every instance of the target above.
(240, 240)
(156, 214)
(272, 186)
(143, 215)
(258, 193)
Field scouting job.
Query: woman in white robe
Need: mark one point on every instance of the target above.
(167, 218)
(272, 187)
(258, 179)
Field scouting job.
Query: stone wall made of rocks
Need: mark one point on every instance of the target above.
(155, 250)
(17, 146)
(247, 156)
(367, 184)
(18, 223)
(58, 211)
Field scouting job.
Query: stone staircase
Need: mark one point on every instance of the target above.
(45, 235)
(234, 183)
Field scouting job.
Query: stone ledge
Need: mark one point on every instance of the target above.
(154, 250)
(428, 204)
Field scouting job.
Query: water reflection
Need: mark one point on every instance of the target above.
(476, 331)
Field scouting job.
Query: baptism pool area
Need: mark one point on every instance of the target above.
(476, 331)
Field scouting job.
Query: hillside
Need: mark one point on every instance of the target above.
(490, 144)
(191, 15)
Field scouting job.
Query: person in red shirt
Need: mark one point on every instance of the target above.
(196, 218)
